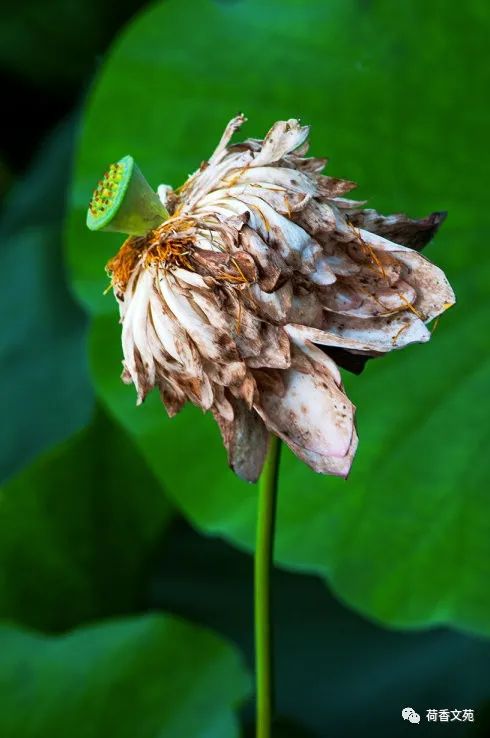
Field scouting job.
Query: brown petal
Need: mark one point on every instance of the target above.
(274, 306)
(231, 373)
(412, 232)
(367, 297)
(270, 380)
(294, 244)
(317, 218)
(310, 164)
(245, 439)
(332, 187)
(306, 308)
(172, 398)
(246, 391)
(213, 343)
(274, 348)
(270, 264)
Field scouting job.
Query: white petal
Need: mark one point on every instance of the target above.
(191, 278)
(205, 180)
(273, 306)
(173, 339)
(163, 192)
(316, 355)
(434, 293)
(206, 337)
(281, 200)
(295, 245)
(134, 334)
(289, 179)
(284, 136)
(338, 259)
(334, 465)
(323, 274)
(379, 242)
(222, 406)
(314, 413)
(211, 309)
(375, 335)
(221, 149)
(206, 393)
(365, 297)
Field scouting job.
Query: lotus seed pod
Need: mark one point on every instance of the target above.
(124, 202)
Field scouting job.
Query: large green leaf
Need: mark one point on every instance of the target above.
(407, 538)
(46, 393)
(336, 674)
(77, 530)
(151, 677)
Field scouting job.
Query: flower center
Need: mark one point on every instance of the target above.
(106, 191)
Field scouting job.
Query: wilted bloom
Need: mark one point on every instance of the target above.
(261, 262)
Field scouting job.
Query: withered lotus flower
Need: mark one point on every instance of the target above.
(261, 261)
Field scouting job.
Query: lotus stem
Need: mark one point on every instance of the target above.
(264, 552)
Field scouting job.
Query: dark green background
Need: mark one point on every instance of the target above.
(112, 511)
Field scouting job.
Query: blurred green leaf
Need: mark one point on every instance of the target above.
(335, 673)
(77, 530)
(32, 42)
(151, 677)
(46, 392)
(388, 90)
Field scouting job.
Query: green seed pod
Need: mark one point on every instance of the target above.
(124, 202)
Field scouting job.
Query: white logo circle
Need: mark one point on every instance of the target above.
(408, 713)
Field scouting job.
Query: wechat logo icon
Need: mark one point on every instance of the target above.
(408, 713)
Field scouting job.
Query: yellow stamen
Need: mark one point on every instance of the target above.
(398, 333)
(411, 307)
(121, 266)
(436, 323)
(239, 317)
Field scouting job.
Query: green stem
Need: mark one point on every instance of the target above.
(263, 564)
